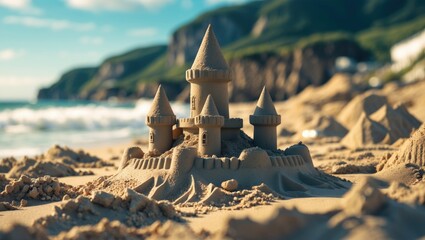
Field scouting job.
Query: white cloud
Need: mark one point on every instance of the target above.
(115, 5)
(213, 2)
(87, 40)
(9, 54)
(53, 24)
(143, 32)
(20, 5)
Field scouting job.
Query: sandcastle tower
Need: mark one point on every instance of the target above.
(160, 120)
(209, 75)
(209, 123)
(265, 120)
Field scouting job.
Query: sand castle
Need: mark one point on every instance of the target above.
(188, 157)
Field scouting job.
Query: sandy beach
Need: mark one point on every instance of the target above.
(379, 179)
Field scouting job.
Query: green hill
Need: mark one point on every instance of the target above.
(271, 29)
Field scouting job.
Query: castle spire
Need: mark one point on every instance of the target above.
(160, 104)
(265, 104)
(265, 119)
(209, 108)
(209, 56)
(160, 120)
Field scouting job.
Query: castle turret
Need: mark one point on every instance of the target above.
(265, 119)
(209, 75)
(160, 120)
(209, 123)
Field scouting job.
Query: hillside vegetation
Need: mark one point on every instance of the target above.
(274, 28)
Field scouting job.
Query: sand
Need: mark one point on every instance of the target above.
(380, 153)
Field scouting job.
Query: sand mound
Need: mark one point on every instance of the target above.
(366, 103)
(132, 209)
(56, 162)
(74, 158)
(323, 126)
(366, 132)
(385, 126)
(411, 194)
(404, 173)
(38, 168)
(412, 151)
(106, 229)
(20, 232)
(339, 88)
(399, 122)
(365, 213)
(220, 199)
(411, 95)
(6, 164)
(45, 188)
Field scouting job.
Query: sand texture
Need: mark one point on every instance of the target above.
(356, 174)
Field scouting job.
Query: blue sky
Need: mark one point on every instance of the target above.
(40, 39)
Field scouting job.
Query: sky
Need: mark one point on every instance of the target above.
(41, 39)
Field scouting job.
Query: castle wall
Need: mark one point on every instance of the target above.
(218, 91)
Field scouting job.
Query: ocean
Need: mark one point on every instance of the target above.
(30, 128)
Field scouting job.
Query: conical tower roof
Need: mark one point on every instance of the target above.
(209, 56)
(209, 108)
(160, 104)
(265, 105)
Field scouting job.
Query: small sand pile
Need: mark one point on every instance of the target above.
(339, 88)
(323, 126)
(6, 164)
(132, 209)
(56, 162)
(366, 132)
(33, 167)
(20, 232)
(227, 198)
(45, 188)
(365, 213)
(349, 168)
(412, 151)
(74, 158)
(384, 126)
(364, 104)
(399, 122)
(115, 187)
(106, 229)
(411, 194)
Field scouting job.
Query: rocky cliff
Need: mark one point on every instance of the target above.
(284, 44)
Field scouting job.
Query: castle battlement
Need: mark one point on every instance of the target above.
(195, 75)
(160, 120)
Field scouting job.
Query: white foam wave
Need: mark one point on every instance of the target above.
(83, 117)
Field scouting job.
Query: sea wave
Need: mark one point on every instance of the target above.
(28, 129)
(81, 117)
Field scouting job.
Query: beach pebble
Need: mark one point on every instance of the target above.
(66, 197)
(103, 198)
(33, 193)
(25, 179)
(137, 201)
(23, 203)
(9, 188)
(230, 185)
